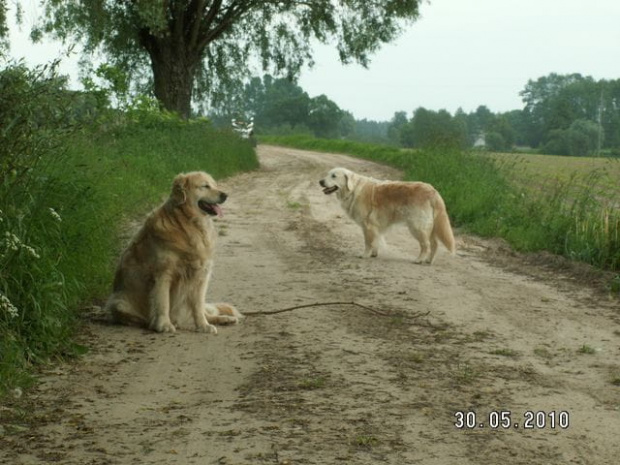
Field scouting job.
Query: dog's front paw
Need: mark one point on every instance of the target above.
(162, 325)
(207, 328)
(370, 254)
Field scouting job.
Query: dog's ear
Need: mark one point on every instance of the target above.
(348, 179)
(179, 186)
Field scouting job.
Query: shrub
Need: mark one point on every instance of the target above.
(495, 142)
(35, 119)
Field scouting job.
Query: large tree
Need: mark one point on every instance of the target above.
(198, 47)
(4, 31)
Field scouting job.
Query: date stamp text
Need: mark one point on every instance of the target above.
(506, 419)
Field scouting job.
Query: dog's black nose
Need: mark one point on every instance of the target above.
(322, 183)
(223, 197)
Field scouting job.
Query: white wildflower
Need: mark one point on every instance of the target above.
(33, 253)
(55, 215)
(7, 306)
(11, 241)
(14, 243)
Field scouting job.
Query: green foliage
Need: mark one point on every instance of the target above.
(4, 30)
(563, 115)
(495, 142)
(280, 106)
(274, 102)
(67, 194)
(206, 48)
(428, 129)
(582, 138)
(572, 114)
(35, 123)
(370, 131)
(324, 117)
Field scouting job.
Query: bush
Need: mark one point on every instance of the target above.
(35, 119)
(495, 142)
(580, 139)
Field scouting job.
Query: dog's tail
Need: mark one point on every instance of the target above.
(222, 314)
(442, 229)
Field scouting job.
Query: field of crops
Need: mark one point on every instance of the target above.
(541, 170)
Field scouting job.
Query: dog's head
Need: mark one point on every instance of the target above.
(198, 191)
(338, 180)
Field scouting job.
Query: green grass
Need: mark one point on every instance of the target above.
(311, 384)
(586, 349)
(63, 225)
(543, 353)
(505, 353)
(365, 441)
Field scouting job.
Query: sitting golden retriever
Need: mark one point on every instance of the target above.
(376, 205)
(162, 277)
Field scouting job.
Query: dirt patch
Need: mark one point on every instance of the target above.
(480, 358)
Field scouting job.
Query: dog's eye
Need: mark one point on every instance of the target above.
(333, 176)
(207, 186)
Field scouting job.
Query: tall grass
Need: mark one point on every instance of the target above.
(68, 191)
(483, 198)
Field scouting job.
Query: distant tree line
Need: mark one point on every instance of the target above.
(562, 114)
(280, 106)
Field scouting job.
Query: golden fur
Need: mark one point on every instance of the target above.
(376, 205)
(162, 277)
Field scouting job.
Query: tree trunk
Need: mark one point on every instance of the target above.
(173, 76)
(177, 53)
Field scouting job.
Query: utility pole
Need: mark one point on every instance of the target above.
(600, 124)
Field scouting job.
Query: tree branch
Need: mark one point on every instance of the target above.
(234, 11)
(326, 304)
(197, 19)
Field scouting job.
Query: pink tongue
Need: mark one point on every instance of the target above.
(218, 210)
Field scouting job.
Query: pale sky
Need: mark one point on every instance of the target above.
(458, 54)
(469, 53)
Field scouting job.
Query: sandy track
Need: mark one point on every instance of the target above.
(339, 384)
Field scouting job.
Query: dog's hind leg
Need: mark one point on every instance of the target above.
(427, 251)
(222, 314)
(434, 246)
(123, 312)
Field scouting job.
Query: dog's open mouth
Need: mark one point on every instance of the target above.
(212, 209)
(330, 190)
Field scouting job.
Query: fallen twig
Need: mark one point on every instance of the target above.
(324, 304)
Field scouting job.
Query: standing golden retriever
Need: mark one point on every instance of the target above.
(162, 277)
(376, 205)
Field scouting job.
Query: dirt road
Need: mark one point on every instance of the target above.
(341, 384)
